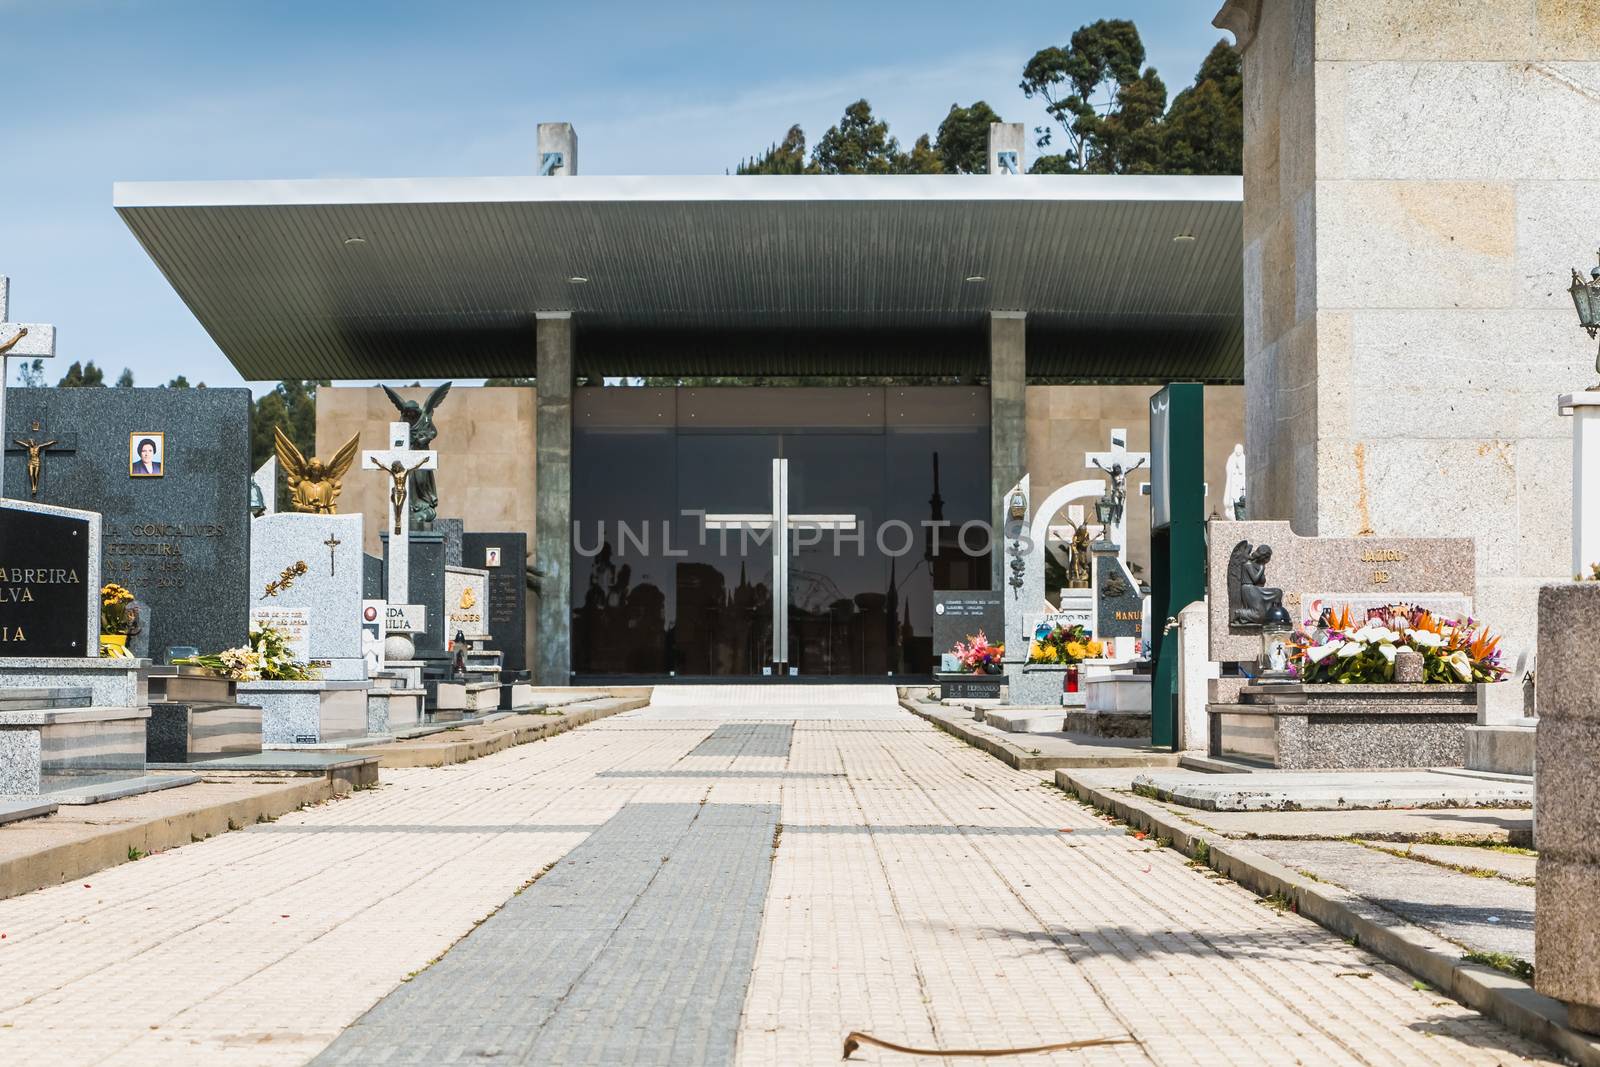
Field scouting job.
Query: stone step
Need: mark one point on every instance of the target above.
(54, 697)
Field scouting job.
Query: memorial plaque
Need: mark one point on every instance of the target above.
(1118, 602)
(295, 626)
(466, 603)
(49, 591)
(958, 615)
(175, 531)
(504, 556)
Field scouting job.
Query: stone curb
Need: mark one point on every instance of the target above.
(1015, 755)
(1438, 962)
(432, 751)
(72, 860)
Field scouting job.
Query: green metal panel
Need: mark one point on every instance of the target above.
(1178, 548)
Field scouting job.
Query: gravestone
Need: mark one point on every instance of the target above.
(49, 582)
(1118, 603)
(1328, 571)
(325, 599)
(504, 556)
(177, 537)
(466, 603)
(372, 577)
(958, 615)
(426, 588)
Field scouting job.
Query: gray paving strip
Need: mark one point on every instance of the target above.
(717, 774)
(1484, 914)
(637, 948)
(747, 739)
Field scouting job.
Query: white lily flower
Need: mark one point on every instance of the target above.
(1460, 664)
(1387, 651)
(1425, 638)
(1352, 647)
(1320, 652)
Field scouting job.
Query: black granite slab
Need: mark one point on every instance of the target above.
(181, 541)
(965, 613)
(46, 589)
(508, 592)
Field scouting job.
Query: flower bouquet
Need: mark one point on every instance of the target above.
(978, 656)
(1063, 644)
(119, 620)
(266, 658)
(1341, 649)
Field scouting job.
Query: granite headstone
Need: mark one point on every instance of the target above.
(425, 588)
(178, 537)
(1118, 602)
(958, 615)
(49, 581)
(328, 592)
(504, 556)
(466, 603)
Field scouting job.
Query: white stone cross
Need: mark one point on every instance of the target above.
(1129, 461)
(26, 340)
(409, 459)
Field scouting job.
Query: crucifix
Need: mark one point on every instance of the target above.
(26, 340)
(398, 462)
(1118, 463)
(332, 542)
(779, 523)
(37, 445)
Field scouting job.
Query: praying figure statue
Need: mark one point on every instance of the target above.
(314, 486)
(398, 473)
(1233, 488)
(1250, 600)
(35, 461)
(424, 490)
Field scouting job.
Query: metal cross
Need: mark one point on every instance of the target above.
(26, 340)
(332, 542)
(399, 453)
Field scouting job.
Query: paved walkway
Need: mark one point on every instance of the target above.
(725, 893)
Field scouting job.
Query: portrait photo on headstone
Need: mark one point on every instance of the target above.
(146, 453)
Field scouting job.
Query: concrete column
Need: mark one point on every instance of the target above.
(1008, 436)
(1007, 137)
(558, 150)
(1405, 327)
(553, 488)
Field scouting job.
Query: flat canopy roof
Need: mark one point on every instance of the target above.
(1122, 278)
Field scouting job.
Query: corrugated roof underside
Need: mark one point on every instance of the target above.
(718, 287)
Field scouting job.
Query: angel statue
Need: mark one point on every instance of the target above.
(1250, 601)
(313, 485)
(424, 491)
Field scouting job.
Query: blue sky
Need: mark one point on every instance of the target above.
(97, 92)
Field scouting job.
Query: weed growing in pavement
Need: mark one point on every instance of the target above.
(1278, 901)
(1354, 941)
(264, 817)
(235, 825)
(135, 854)
(1307, 874)
(1460, 868)
(1504, 962)
(777, 837)
(1421, 987)
(1202, 851)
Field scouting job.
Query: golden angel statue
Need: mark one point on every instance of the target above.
(314, 485)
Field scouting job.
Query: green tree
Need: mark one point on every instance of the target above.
(859, 144)
(922, 159)
(180, 382)
(125, 379)
(1095, 92)
(84, 374)
(786, 157)
(1203, 132)
(291, 404)
(964, 138)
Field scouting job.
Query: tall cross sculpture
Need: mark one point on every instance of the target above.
(25, 340)
(397, 462)
(1122, 461)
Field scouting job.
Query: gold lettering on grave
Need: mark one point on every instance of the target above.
(1380, 577)
(12, 634)
(1129, 616)
(1387, 555)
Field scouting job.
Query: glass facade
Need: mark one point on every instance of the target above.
(656, 591)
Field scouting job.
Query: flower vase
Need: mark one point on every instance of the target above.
(114, 646)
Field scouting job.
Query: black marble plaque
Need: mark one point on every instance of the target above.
(963, 614)
(508, 591)
(46, 590)
(180, 540)
(970, 686)
(372, 587)
(1119, 605)
(425, 587)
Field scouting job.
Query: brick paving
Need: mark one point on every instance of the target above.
(920, 890)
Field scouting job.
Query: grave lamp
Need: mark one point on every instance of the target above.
(1019, 503)
(1586, 298)
(1276, 630)
(1105, 509)
(258, 503)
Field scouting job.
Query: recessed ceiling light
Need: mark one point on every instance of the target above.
(578, 279)
(976, 278)
(1184, 237)
(355, 240)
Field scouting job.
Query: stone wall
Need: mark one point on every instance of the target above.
(485, 444)
(1416, 187)
(1066, 421)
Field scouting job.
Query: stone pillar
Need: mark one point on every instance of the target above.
(1007, 137)
(1405, 271)
(1008, 380)
(553, 486)
(1566, 917)
(558, 150)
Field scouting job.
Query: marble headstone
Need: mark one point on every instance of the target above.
(329, 593)
(508, 590)
(1351, 570)
(180, 541)
(466, 603)
(49, 581)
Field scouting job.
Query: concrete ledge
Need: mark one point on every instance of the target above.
(441, 749)
(1025, 720)
(65, 847)
(1431, 958)
(1501, 749)
(1038, 752)
(1331, 790)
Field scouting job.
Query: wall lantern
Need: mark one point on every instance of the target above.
(1019, 506)
(1105, 509)
(1276, 630)
(1586, 298)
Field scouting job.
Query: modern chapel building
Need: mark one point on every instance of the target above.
(907, 346)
